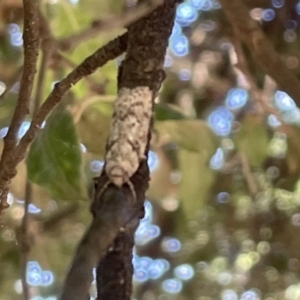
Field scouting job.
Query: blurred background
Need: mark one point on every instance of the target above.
(222, 211)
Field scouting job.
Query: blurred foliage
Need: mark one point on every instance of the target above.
(54, 159)
(222, 216)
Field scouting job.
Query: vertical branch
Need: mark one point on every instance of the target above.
(142, 67)
(25, 242)
(8, 169)
(40, 82)
(115, 270)
(31, 47)
(47, 47)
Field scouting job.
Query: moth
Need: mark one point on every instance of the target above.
(128, 137)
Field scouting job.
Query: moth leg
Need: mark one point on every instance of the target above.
(132, 190)
(98, 194)
(108, 182)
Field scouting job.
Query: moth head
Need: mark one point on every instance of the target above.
(117, 175)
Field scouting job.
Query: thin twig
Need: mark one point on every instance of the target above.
(48, 47)
(31, 48)
(260, 96)
(261, 49)
(263, 96)
(246, 169)
(25, 242)
(110, 51)
(94, 86)
(122, 21)
(40, 82)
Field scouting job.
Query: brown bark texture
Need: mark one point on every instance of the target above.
(143, 66)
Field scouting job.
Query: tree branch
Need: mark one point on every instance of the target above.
(117, 211)
(31, 48)
(261, 49)
(142, 67)
(97, 27)
(259, 95)
(110, 51)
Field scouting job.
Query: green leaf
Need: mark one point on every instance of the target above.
(192, 135)
(196, 144)
(54, 159)
(164, 112)
(252, 140)
(196, 182)
(94, 122)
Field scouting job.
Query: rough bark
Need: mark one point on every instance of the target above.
(143, 66)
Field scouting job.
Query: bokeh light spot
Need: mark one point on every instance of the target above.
(184, 74)
(283, 101)
(170, 203)
(220, 121)
(224, 278)
(157, 268)
(217, 160)
(223, 197)
(176, 29)
(168, 61)
(236, 98)
(140, 275)
(229, 295)
(23, 129)
(3, 132)
(184, 272)
(145, 233)
(16, 39)
(33, 209)
(179, 45)
(170, 244)
(290, 36)
(152, 161)
(96, 165)
(298, 8)
(47, 278)
(82, 148)
(277, 3)
(148, 212)
(249, 295)
(208, 5)
(268, 14)
(13, 28)
(273, 121)
(198, 4)
(186, 14)
(172, 286)
(291, 24)
(2, 87)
